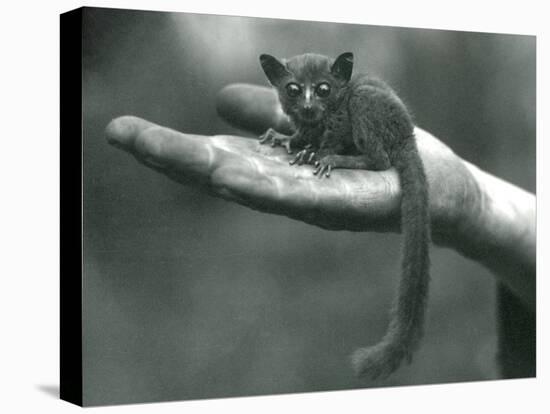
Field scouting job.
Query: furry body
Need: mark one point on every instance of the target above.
(360, 123)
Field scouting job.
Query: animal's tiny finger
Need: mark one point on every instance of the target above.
(329, 169)
(268, 136)
(311, 156)
(299, 157)
(287, 146)
(296, 158)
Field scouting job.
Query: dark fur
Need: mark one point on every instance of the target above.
(363, 124)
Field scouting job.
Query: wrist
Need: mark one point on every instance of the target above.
(497, 227)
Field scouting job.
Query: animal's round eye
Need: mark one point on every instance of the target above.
(293, 90)
(322, 90)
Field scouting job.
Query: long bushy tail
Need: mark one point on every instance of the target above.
(407, 316)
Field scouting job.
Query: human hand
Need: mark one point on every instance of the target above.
(260, 176)
(470, 210)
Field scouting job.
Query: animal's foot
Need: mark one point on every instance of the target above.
(324, 166)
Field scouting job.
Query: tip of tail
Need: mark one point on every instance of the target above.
(378, 361)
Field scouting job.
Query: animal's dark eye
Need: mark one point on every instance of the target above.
(293, 90)
(322, 90)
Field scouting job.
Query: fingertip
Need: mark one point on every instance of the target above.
(122, 131)
(357, 359)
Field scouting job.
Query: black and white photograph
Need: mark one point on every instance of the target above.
(274, 206)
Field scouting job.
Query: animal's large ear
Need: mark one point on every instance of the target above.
(342, 66)
(274, 69)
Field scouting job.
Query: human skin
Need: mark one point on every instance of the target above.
(479, 215)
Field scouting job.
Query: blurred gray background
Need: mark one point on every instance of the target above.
(188, 296)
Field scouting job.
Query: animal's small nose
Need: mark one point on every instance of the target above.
(308, 98)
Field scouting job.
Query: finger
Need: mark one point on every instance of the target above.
(162, 148)
(252, 108)
(122, 132)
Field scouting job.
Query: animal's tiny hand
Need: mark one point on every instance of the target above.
(276, 139)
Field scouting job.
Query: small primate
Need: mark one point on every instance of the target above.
(360, 123)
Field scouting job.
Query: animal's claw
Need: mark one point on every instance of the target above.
(302, 156)
(324, 167)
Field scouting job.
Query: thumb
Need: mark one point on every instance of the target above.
(252, 108)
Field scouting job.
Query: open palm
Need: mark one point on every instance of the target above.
(482, 217)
